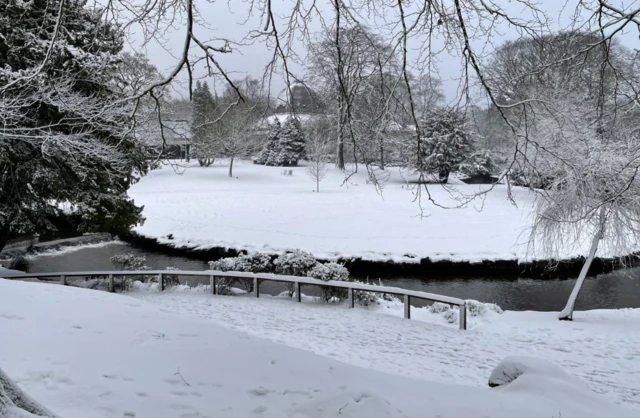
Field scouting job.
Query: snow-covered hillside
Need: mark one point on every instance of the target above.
(85, 353)
(263, 210)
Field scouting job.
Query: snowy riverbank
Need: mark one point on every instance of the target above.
(265, 211)
(89, 353)
(205, 214)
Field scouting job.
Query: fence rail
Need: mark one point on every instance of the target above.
(213, 275)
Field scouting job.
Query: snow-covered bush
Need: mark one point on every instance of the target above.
(475, 308)
(327, 272)
(251, 263)
(365, 298)
(296, 263)
(480, 163)
(223, 284)
(529, 178)
(171, 279)
(128, 261)
(438, 307)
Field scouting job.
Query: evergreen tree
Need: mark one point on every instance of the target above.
(443, 144)
(202, 125)
(66, 151)
(291, 145)
(272, 145)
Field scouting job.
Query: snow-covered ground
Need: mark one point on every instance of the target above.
(265, 211)
(85, 353)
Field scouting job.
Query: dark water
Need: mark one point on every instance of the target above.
(619, 289)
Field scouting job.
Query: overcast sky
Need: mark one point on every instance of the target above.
(230, 19)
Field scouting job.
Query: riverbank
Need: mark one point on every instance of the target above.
(55, 246)
(422, 268)
(202, 213)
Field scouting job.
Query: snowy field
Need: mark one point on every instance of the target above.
(262, 210)
(85, 353)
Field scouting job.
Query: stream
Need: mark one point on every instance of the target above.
(619, 289)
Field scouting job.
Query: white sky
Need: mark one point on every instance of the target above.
(229, 19)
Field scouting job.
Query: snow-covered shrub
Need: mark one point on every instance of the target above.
(529, 178)
(296, 263)
(128, 261)
(327, 272)
(250, 263)
(223, 284)
(480, 163)
(438, 307)
(365, 298)
(20, 263)
(475, 308)
(171, 279)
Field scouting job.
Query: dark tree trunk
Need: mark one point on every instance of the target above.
(5, 232)
(382, 154)
(444, 176)
(340, 148)
(231, 167)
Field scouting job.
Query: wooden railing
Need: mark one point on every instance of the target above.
(352, 287)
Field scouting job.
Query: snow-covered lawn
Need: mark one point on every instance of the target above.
(263, 210)
(85, 353)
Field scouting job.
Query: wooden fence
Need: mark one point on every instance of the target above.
(405, 294)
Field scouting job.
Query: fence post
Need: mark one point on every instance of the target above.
(407, 306)
(212, 284)
(112, 287)
(63, 280)
(161, 281)
(298, 295)
(463, 316)
(256, 286)
(351, 298)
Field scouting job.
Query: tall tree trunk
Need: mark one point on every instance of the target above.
(382, 153)
(5, 232)
(567, 313)
(318, 184)
(340, 146)
(231, 167)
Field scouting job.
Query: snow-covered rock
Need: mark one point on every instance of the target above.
(511, 368)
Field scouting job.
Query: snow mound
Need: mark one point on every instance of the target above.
(512, 368)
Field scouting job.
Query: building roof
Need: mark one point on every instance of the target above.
(298, 98)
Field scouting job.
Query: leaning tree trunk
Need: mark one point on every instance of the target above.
(567, 313)
(13, 401)
(231, 167)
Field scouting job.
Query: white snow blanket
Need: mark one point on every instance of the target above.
(264, 211)
(84, 353)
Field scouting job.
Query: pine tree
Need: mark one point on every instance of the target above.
(66, 150)
(202, 124)
(291, 144)
(272, 145)
(443, 144)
